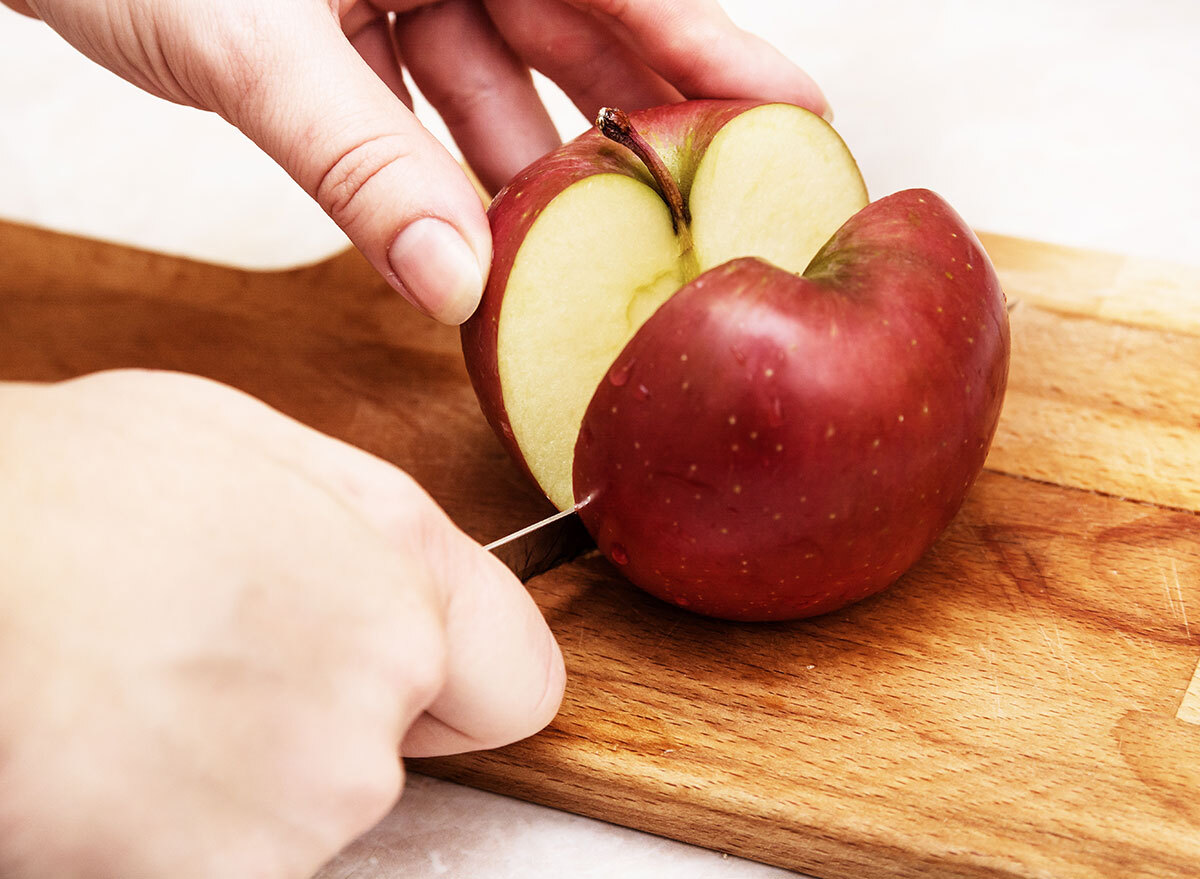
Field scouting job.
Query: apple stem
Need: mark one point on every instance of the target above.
(616, 126)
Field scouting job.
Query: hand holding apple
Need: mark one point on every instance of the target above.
(754, 443)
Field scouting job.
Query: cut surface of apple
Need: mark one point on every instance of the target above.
(772, 180)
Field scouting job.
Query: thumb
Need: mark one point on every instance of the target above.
(319, 110)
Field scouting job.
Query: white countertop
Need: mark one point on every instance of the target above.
(1074, 122)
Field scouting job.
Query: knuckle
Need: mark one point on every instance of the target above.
(340, 188)
(419, 662)
(367, 792)
(407, 649)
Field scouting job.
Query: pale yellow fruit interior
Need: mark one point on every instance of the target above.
(598, 261)
(776, 182)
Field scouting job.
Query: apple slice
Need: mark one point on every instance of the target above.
(587, 247)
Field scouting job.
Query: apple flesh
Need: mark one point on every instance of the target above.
(586, 249)
(770, 446)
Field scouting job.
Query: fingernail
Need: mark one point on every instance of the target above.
(437, 270)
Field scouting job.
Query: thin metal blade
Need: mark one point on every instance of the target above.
(537, 548)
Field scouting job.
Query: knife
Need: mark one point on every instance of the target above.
(541, 546)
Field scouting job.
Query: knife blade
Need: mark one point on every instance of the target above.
(537, 548)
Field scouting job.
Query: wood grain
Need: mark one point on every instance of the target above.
(1108, 286)
(1189, 708)
(1102, 406)
(1022, 704)
(1009, 709)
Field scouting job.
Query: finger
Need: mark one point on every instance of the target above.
(371, 36)
(579, 53)
(695, 47)
(504, 671)
(343, 135)
(482, 91)
(20, 6)
(502, 678)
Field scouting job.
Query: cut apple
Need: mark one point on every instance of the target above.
(604, 253)
(769, 397)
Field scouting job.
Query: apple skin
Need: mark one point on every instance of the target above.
(670, 129)
(770, 446)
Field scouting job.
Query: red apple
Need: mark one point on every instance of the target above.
(769, 446)
(586, 247)
(752, 443)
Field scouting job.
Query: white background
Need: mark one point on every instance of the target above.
(1073, 122)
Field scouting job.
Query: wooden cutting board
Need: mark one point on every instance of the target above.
(1024, 703)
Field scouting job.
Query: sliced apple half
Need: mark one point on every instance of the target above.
(589, 243)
